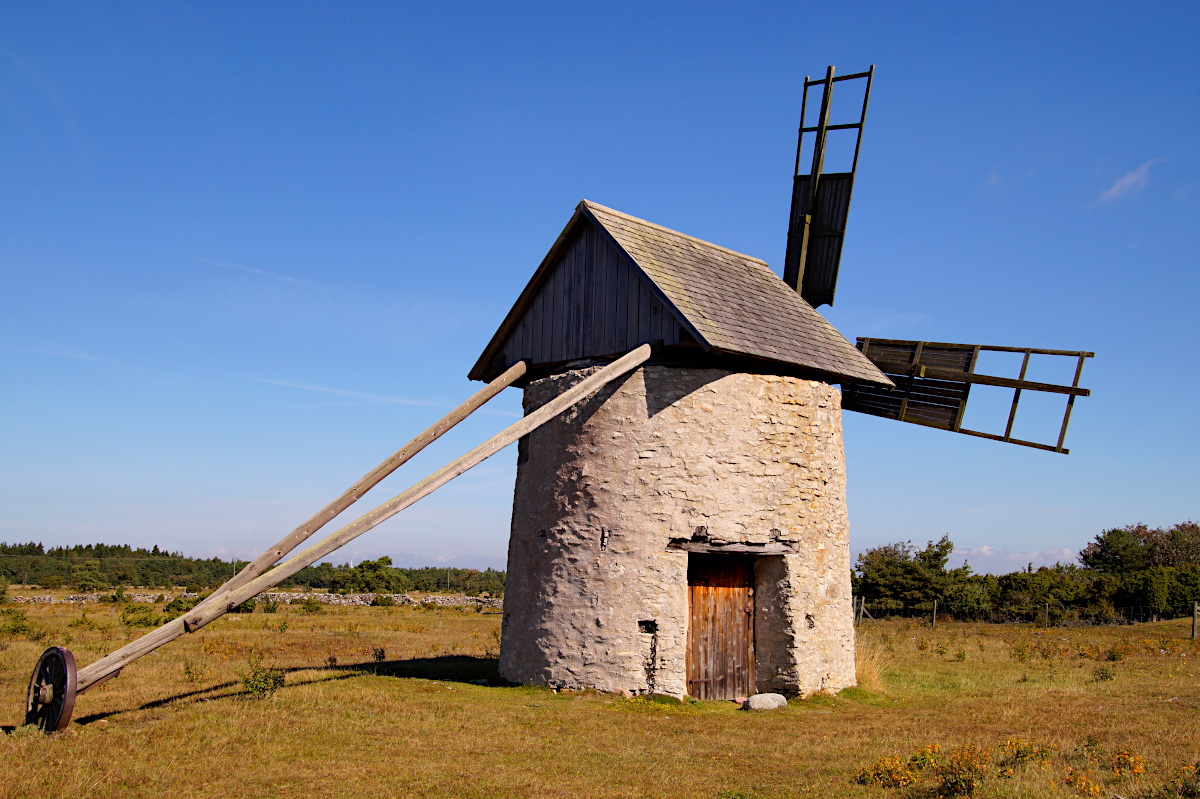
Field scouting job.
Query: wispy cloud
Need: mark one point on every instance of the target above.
(1131, 182)
(988, 560)
(997, 180)
(137, 361)
(295, 281)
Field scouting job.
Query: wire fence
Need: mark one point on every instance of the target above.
(1045, 614)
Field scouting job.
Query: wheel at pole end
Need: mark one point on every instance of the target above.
(51, 695)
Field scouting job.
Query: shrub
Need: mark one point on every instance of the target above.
(311, 605)
(886, 772)
(3, 593)
(378, 654)
(260, 681)
(1104, 674)
(1127, 764)
(52, 582)
(1018, 750)
(179, 606)
(962, 772)
(140, 616)
(383, 601)
(270, 606)
(246, 607)
(925, 757)
(14, 622)
(1186, 785)
(1083, 782)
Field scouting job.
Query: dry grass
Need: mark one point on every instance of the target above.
(415, 723)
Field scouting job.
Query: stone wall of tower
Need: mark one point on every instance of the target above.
(596, 593)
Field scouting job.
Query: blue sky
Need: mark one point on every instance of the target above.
(248, 250)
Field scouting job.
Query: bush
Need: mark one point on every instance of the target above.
(962, 772)
(1104, 674)
(270, 607)
(246, 607)
(13, 622)
(1186, 785)
(886, 772)
(52, 582)
(179, 606)
(143, 616)
(383, 601)
(260, 681)
(311, 605)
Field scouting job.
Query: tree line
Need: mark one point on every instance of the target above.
(1156, 570)
(96, 567)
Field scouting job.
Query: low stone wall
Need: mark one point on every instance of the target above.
(281, 597)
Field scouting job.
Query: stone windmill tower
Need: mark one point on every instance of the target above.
(684, 530)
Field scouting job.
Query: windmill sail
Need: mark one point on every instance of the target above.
(821, 201)
(933, 381)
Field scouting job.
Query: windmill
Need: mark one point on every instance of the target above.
(679, 520)
(932, 379)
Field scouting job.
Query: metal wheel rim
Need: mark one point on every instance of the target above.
(56, 669)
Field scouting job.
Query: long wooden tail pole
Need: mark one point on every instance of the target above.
(102, 668)
(231, 599)
(222, 601)
(298, 536)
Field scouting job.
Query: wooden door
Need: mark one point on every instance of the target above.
(720, 654)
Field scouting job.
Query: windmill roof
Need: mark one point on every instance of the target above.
(732, 303)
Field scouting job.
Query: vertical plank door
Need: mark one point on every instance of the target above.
(720, 654)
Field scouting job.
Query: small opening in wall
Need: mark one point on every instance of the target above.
(604, 534)
(808, 619)
(648, 626)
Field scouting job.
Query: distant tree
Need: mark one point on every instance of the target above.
(87, 577)
(370, 577)
(1121, 550)
(902, 572)
(1126, 550)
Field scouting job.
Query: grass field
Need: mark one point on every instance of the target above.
(383, 702)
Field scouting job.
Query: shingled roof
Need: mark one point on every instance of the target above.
(729, 302)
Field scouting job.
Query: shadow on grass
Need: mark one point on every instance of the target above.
(451, 668)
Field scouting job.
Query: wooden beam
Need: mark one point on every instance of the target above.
(107, 666)
(986, 347)
(1012, 414)
(1034, 444)
(897, 368)
(231, 599)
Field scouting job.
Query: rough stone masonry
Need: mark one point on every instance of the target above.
(607, 493)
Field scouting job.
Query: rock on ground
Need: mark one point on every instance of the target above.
(765, 702)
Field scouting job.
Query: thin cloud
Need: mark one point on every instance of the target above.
(264, 273)
(988, 560)
(139, 360)
(1131, 182)
(997, 180)
(341, 392)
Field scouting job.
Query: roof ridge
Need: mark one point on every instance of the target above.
(647, 223)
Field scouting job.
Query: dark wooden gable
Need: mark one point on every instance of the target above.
(612, 282)
(588, 300)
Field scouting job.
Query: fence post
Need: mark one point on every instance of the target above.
(1195, 617)
(934, 624)
(862, 600)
